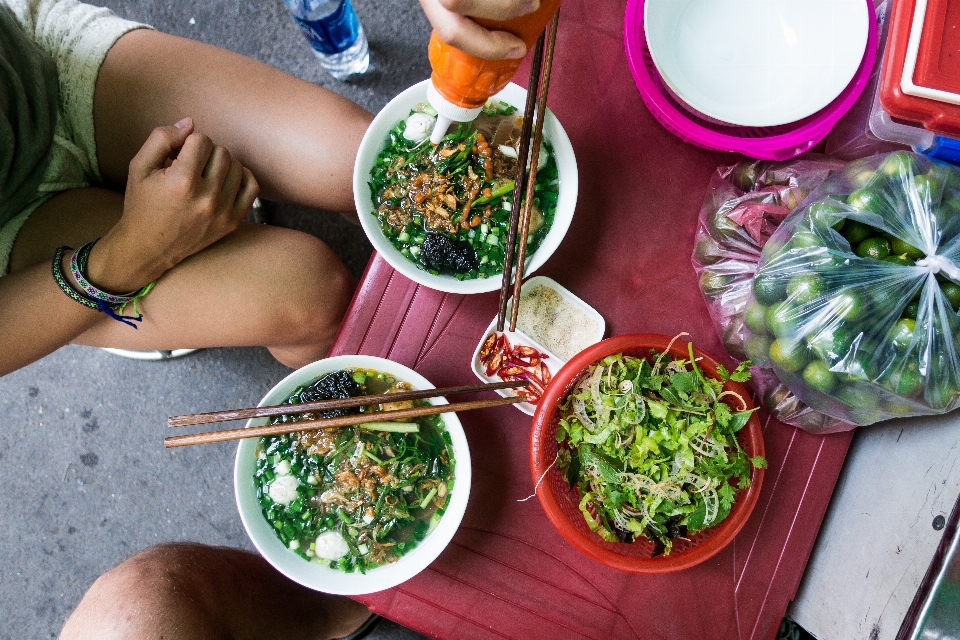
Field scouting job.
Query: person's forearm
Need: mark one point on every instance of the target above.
(36, 318)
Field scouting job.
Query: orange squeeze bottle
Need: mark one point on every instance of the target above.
(461, 83)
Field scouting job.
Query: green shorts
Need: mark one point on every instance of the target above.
(77, 36)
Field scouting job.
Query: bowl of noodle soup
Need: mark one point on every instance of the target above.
(417, 201)
(366, 489)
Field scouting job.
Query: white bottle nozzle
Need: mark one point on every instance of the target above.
(440, 129)
(447, 112)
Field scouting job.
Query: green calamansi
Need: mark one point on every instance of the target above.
(903, 248)
(769, 288)
(805, 287)
(951, 291)
(712, 283)
(848, 305)
(757, 348)
(865, 199)
(783, 319)
(790, 355)
(902, 334)
(832, 342)
(856, 232)
(817, 375)
(708, 251)
(904, 380)
(899, 165)
(900, 260)
(874, 247)
(755, 317)
(827, 213)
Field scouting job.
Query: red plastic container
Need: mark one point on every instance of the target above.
(938, 59)
(937, 64)
(561, 504)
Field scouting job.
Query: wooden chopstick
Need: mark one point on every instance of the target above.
(519, 185)
(330, 423)
(542, 88)
(339, 403)
(537, 87)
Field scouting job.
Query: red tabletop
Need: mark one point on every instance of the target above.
(507, 572)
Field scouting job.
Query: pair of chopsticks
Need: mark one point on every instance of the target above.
(538, 85)
(330, 423)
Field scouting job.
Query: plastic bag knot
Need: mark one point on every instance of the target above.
(940, 264)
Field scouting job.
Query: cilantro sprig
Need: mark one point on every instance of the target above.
(651, 445)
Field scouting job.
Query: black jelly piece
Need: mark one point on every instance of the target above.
(623, 535)
(447, 255)
(675, 529)
(658, 548)
(330, 386)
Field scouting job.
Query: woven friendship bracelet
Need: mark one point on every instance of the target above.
(61, 280)
(95, 303)
(78, 264)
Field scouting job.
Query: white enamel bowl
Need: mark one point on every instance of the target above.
(757, 63)
(312, 574)
(375, 139)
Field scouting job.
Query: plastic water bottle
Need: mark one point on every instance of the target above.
(335, 34)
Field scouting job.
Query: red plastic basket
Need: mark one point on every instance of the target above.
(561, 504)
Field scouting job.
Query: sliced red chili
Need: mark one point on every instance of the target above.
(487, 347)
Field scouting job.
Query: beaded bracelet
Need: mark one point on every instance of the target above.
(100, 302)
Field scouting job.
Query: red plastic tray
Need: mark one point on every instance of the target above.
(508, 573)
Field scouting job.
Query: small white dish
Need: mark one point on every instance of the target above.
(757, 63)
(589, 330)
(312, 574)
(374, 141)
(514, 338)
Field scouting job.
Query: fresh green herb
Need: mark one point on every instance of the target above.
(651, 445)
(498, 108)
(462, 190)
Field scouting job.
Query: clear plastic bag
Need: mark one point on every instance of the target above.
(853, 306)
(745, 205)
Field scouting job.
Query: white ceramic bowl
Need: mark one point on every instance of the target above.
(757, 63)
(375, 139)
(311, 574)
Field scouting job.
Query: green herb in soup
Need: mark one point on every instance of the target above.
(355, 498)
(652, 447)
(447, 207)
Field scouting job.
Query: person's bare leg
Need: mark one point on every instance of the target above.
(188, 591)
(258, 286)
(299, 140)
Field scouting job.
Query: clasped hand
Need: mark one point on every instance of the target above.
(183, 194)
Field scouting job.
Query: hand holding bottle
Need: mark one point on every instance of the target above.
(451, 20)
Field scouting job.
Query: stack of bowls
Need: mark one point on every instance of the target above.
(768, 78)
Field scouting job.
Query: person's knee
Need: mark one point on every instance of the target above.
(140, 597)
(317, 290)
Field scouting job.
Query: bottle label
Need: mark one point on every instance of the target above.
(334, 33)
